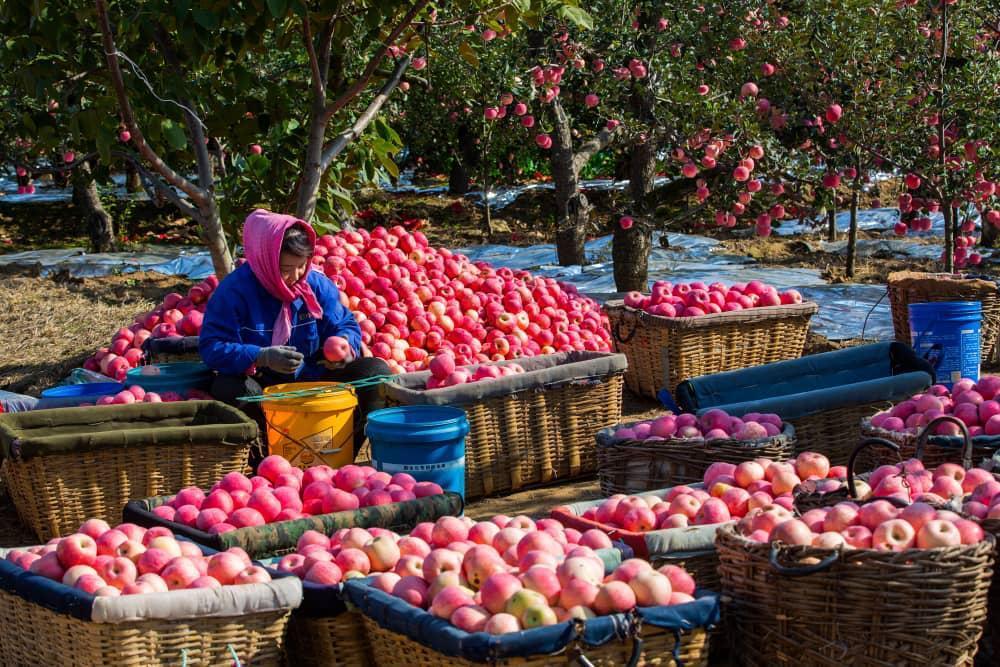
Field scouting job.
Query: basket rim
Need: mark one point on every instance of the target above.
(943, 441)
(806, 308)
(786, 437)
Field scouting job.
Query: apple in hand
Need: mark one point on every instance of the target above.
(336, 348)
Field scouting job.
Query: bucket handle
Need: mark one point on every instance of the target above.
(865, 444)
(802, 570)
(966, 438)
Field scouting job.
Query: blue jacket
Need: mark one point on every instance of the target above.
(240, 316)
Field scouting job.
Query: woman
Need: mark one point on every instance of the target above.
(267, 321)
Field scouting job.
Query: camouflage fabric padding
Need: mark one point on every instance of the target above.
(277, 538)
(25, 435)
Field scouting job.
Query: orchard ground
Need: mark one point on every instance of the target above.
(57, 321)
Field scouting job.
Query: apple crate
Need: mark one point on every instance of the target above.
(662, 352)
(529, 429)
(637, 466)
(277, 538)
(692, 547)
(67, 465)
(795, 605)
(48, 623)
(401, 634)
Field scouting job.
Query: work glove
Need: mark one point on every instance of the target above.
(280, 359)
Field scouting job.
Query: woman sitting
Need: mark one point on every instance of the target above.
(267, 321)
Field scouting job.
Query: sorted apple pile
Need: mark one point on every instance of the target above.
(130, 560)
(714, 424)
(136, 394)
(696, 298)
(875, 525)
(177, 316)
(411, 301)
(446, 373)
(497, 576)
(731, 491)
(282, 492)
(973, 403)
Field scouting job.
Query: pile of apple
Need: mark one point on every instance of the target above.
(130, 560)
(282, 492)
(974, 403)
(875, 525)
(177, 316)
(445, 373)
(714, 424)
(411, 301)
(731, 491)
(696, 298)
(497, 576)
(136, 394)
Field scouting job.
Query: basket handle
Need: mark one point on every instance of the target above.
(865, 444)
(616, 330)
(966, 438)
(802, 570)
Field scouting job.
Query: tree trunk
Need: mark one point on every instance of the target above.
(831, 223)
(949, 239)
(133, 183)
(458, 178)
(572, 207)
(990, 235)
(214, 238)
(100, 227)
(630, 247)
(852, 234)
(312, 168)
(466, 160)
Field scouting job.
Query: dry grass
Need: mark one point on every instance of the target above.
(49, 327)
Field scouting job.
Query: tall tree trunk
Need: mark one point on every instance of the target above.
(949, 239)
(852, 234)
(572, 207)
(831, 222)
(630, 247)
(466, 160)
(100, 227)
(990, 235)
(133, 183)
(312, 167)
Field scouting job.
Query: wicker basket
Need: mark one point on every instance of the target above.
(989, 645)
(332, 641)
(833, 433)
(636, 466)
(934, 449)
(67, 465)
(400, 634)
(278, 538)
(857, 607)
(539, 433)
(664, 351)
(906, 287)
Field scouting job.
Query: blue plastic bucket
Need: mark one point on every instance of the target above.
(425, 441)
(72, 395)
(180, 377)
(946, 333)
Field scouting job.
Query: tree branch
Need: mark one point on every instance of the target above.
(197, 195)
(361, 82)
(325, 43)
(318, 81)
(592, 147)
(150, 184)
(335, 147)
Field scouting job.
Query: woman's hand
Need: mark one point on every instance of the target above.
(337, 365)
(282, 359)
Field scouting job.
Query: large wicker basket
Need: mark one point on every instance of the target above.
(934, 449)
(857, 607)
(663, 351)
(67, 465)
(400, 634)
(47, 623)
(906, 287)
(637, 466)
(989, 646)
(533, 428)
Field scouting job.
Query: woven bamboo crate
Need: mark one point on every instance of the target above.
(56, 486)
(857, 607)
(333, 641)
(833, 433)
(538, 434)
(663, 351)
(906, 287)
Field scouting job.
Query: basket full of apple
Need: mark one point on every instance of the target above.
(266, 514)
(462, 591)
(86, 597)
(544, 410)
(677, 449)
(688, 330)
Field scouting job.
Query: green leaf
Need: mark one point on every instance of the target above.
(388, 164)
(577, 16)
(466, 52)
(174, 134)
(206, 19)
(277, 7)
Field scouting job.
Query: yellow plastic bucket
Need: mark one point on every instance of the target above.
(311, 430)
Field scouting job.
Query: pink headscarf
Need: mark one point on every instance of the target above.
(263, 233)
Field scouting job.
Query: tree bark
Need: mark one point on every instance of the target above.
(852, 234)
(630, 247)
(133, 183)
(100, 227)
(572, 207)
(949, 239)
(466, 159)
(831, 222)
(990, 235)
